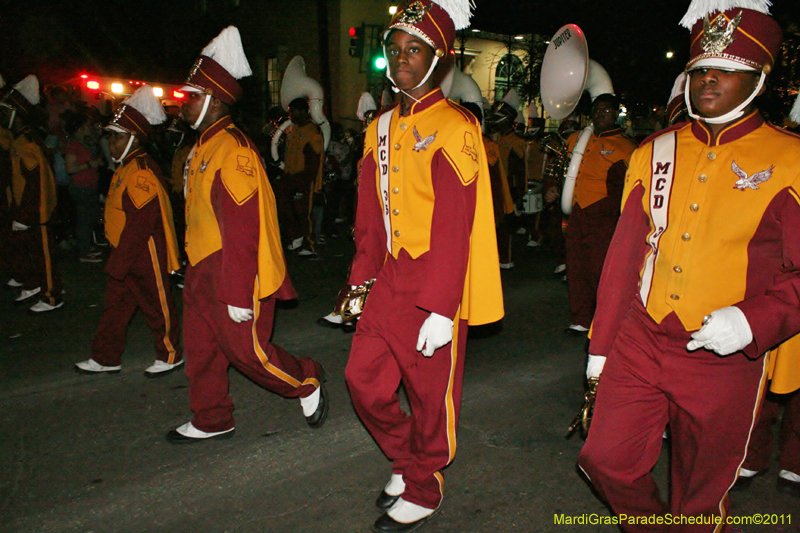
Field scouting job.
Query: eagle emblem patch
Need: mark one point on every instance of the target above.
(422, 144)
(605, 152)
(750, 182)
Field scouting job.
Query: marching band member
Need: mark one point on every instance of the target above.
(702, 278)
(595, 208)
(508, 179)
(139, 228)
(425, 233)
(236, 270)
(34, 199)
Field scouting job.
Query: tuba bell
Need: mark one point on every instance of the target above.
(297, 84)
(567, 71)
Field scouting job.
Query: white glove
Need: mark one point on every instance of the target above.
(725, 331)
(436, 331)
(595, 366)
(16, 226)
(239, 314)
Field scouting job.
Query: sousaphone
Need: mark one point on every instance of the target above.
(567, 71)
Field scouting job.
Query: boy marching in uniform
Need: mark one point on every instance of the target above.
(701, 279)
(425, 234)
(33, 201)
(236, 270)
(139, 228)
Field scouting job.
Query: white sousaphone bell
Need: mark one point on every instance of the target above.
(297, 84)
(567, 71)
(457, 85)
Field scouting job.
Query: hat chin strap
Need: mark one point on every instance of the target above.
(730, 115)
(203, 112)
(125, 151)
(420, 84)
(13, 116)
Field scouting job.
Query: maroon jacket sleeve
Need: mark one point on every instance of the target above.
(619, 283)
(370, 235)
(140, 224)
(451, 226)
(774, 315)
(238, 226)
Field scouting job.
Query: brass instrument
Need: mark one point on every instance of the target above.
(557, 159)
(584, 416)
(350, 305)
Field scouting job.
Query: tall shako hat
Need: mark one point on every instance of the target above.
(219, 66)
(731, 35)
(137, 115)
(22, 97)
(217, 70)
(433, 21)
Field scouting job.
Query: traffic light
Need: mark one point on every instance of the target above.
(356, 41)
(379, 62)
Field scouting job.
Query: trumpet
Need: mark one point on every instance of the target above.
(350, 305)
(584, 416)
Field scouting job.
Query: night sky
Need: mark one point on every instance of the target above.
(629, 38)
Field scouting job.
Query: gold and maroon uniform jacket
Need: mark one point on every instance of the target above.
(138, 213)
(305, 153)
(708, 223)
(513, 159)
(437, 201)
(230, 210)
(601, 176)
(178, 163)
(33, 185)
(501, 193)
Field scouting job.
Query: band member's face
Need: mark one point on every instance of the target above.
(604, 116)
(117, 141)
(409, 57)
(192, 106)
(716, 92)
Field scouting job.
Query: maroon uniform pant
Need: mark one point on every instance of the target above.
(709, 402)
(146, 287)
(37, 264)
(213, 342)
(383, 356)
(588, 238)
(760, 450)
(294, 204)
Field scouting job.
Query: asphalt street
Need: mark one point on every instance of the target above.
(87, 454)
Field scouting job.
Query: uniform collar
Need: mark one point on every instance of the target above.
(133, 155)
(215, 128)
(426, 101)
(732, 132)
(611, 132)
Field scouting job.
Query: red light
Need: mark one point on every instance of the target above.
(352, 32)
(84, 76)
(94, 85)
(177, 95)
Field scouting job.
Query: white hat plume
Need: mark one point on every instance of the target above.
(700, 8)
(146, 103)
(227, 50)
(459, 10)
(29, 88)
